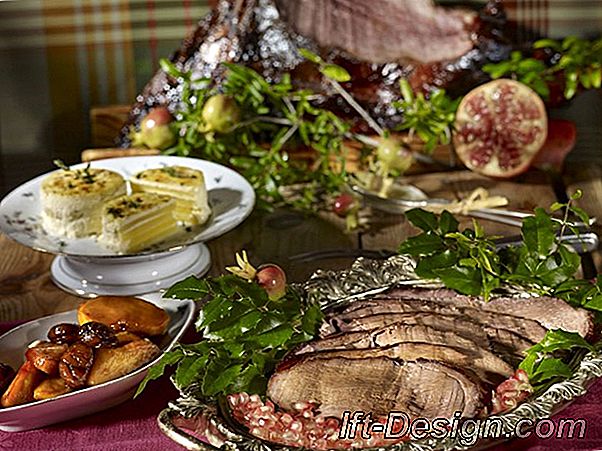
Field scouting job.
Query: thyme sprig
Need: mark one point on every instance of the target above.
(84, 173)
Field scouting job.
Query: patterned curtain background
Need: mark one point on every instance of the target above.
(58, 58)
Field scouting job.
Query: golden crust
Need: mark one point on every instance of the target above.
(79, 182)
(135, 315)
(111, 363)
(133, 204)
(173, 176)
(51, 388)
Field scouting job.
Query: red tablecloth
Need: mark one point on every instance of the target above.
(132, 426)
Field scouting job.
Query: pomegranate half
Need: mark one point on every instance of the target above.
(499, 128)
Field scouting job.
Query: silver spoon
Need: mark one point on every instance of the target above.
(407, 197)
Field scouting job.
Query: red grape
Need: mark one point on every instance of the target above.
(343, 204)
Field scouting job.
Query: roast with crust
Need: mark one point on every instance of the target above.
(378, 42)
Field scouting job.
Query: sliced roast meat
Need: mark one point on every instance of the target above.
(391, 334)
(486, 367)
(551, 313)
(375, 306)
(363, 29)
(507, 343)
(341, 340)
(421, 336)
(378, 385)
(522, 326)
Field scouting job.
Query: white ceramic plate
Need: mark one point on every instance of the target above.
(90, 399)
(231, 197)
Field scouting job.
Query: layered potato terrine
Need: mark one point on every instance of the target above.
(137, 221)
(72, 200)
(185, 185)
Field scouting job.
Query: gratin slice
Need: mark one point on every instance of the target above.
(137, 221)
(186, 185)
(72, 200)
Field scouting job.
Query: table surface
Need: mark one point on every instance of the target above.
(27, 291)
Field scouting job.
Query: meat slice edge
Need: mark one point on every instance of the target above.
(398, 334)
(551, 313)
(521, 326)
(488, 368)
(382, 30)
(507, 344)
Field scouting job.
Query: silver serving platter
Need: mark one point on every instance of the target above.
(333, 288)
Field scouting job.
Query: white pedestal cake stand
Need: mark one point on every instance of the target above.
(128, 276)
(85, 267)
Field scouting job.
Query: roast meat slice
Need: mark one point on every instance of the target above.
(551, 313)
(387, 335)
(418, 339)
(506, 343)
(487, 367)
(381, 31)
(522, 326)
(378, 385)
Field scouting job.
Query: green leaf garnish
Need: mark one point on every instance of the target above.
(468, 261)
(538, 233)
(245, 334)
(424, 220)
(431, 119)
(157, 370)
(274, 117)
(542, 363)
(578, 62)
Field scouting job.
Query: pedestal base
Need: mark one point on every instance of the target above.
(128, 276)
